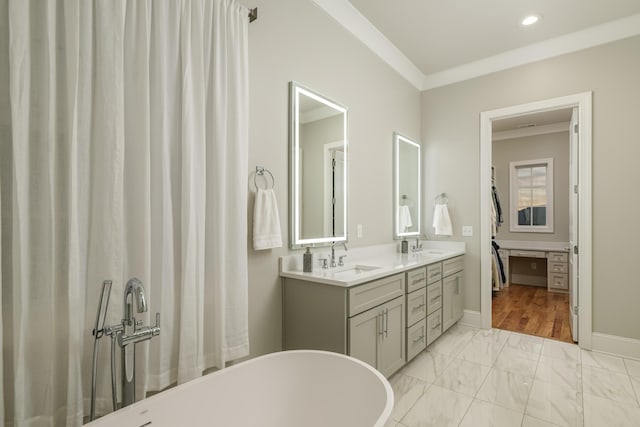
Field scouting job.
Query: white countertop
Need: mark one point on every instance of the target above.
(385, 260)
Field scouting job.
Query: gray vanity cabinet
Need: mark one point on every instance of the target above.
(365, 321)
(452, 296)
(377, 336)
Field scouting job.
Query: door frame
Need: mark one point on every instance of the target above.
(583, 101)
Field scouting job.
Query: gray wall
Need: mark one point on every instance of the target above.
(553, 145)
(450, 135)
(296, 40)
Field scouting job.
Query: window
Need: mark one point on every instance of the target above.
(531, 201)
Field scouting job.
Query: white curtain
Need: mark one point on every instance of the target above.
(124, 154)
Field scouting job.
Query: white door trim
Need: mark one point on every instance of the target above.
(583, 101)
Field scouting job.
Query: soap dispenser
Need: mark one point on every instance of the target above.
(307, 261)
(405, 246)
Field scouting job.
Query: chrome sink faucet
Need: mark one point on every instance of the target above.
(333, 254)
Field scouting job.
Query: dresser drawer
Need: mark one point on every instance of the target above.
(434, 326)
(416, 306)
(363, 297)
(416, 279)
(434, 297)
(434, 272)
(558, 281)
(558, 257)
(528, 254)
(416, 339)
(452, 265)
(557, 267)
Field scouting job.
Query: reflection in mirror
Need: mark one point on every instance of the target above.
(318, 168)
(406, 194)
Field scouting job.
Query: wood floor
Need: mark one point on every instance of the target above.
(532, 310)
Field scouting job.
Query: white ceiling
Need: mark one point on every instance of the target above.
(437, 42)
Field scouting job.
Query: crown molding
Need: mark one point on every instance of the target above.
(573, 42)
(351, 19)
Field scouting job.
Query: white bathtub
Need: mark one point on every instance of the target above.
(300, 388)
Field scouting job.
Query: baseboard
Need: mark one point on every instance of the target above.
(613, 344)
(472, 318)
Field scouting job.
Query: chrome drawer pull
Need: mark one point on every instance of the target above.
(436, 326)
(418, 307)
(420, 338)
(435, 298)
(386, 322)
(418, 280)
(437, 273)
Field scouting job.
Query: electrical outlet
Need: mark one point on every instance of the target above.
(467, 230)
(359, 231)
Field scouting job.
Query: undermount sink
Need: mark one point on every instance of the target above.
(353, 270)
(435, 252)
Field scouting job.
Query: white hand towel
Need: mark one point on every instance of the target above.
(266, 221)
(441, 220)
(404, 218)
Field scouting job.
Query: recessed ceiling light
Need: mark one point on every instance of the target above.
(530, 20)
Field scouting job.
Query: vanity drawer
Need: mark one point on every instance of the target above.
(416, 279)
(416, 306)
(416, 339)
(363, 297)
(528, 254)
(557, 267)
(558, 257)
(452, 265)
(558, 281)
(434, 297)
(434, 326)
(434, 272)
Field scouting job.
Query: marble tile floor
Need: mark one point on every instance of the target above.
(476, 377)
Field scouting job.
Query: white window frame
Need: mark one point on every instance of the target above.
(513, 199)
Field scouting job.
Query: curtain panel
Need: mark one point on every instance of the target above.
(124, 130)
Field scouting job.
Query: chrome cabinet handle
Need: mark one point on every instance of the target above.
(379, 321)
(386, 322)
(435, 326)
(418, 307)
(420, 338)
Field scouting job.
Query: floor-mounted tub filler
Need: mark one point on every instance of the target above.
(286, 389)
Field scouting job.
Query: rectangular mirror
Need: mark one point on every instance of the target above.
(406, 187)
(318, 168)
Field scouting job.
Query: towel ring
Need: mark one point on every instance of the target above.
(442, 198)
(260, 170)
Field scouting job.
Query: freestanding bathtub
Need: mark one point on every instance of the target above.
(298, 388)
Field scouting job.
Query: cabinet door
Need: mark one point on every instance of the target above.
(365, 330)
(391, 345)
(452, 308)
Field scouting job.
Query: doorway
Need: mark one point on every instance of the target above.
(530, 182)
(578, 257)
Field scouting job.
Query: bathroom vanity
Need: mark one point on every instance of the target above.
(383, 309)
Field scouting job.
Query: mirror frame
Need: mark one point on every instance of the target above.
(397, 140)
(295, 241)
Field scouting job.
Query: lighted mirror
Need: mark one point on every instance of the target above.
(406, 185)
(318, 168)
